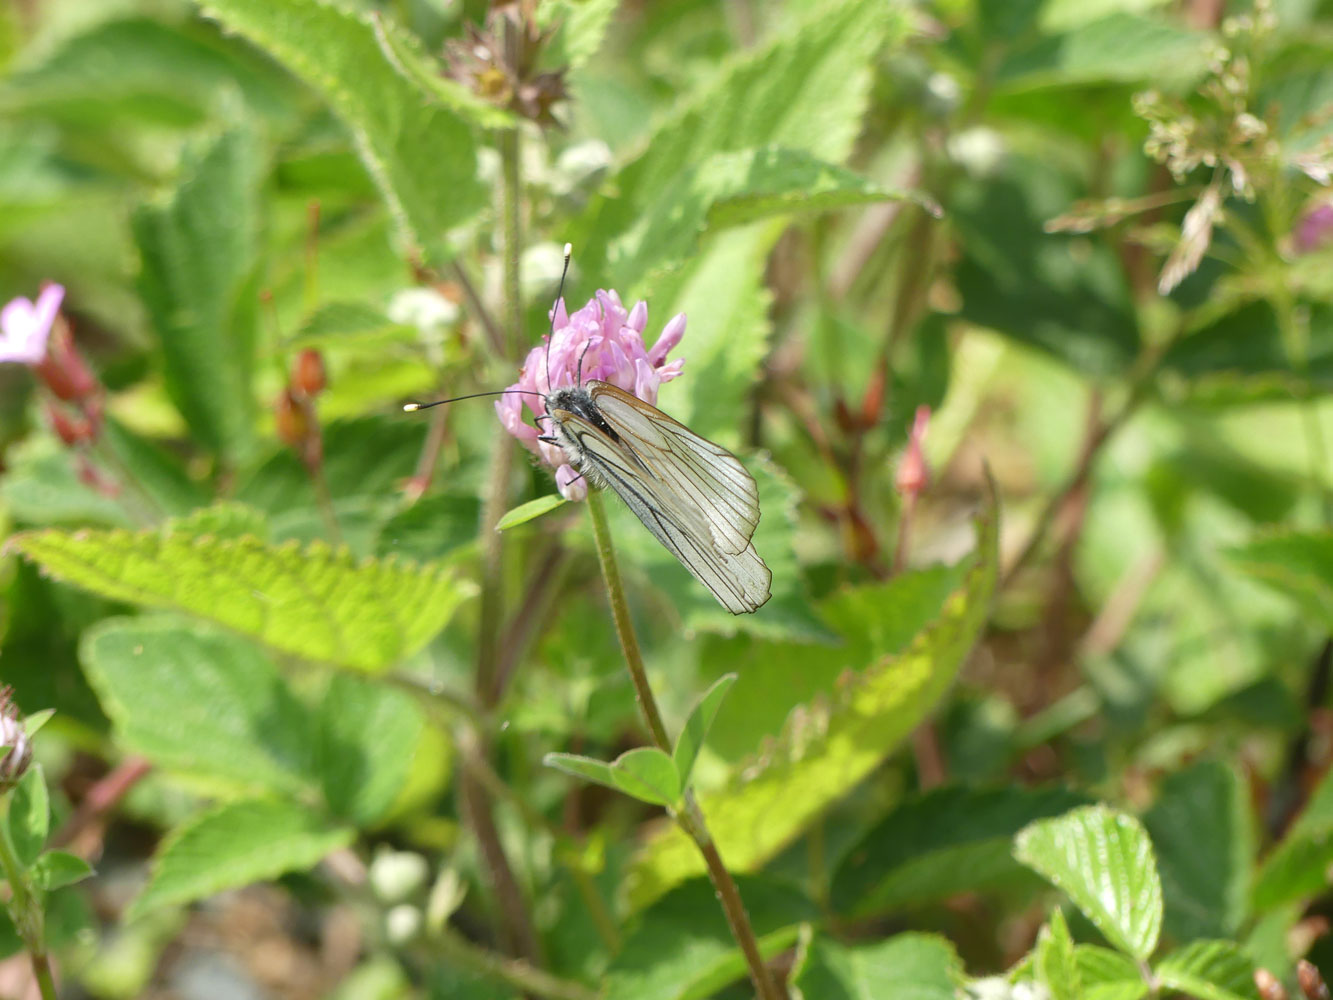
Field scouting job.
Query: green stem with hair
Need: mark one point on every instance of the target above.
(25, 908)
(689, 818)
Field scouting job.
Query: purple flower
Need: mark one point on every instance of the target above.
(610, 342)
(25, 326)
(1315, 229)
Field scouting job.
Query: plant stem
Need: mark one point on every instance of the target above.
(26, 911)
(690, 818)
(513, 241)
(629, 643)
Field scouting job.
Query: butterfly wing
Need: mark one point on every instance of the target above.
(693, 495)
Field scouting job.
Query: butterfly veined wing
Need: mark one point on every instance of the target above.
(693, 495)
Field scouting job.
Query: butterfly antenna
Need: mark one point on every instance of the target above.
(559, 295)
(413, 407)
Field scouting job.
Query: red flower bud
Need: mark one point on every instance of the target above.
(291, 418)
(308, 376)
(912, 472)
(1312, 983)
(63, 369)
(73, 429)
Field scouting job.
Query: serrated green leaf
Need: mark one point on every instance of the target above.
(697, 725)
(587, 768)
(1054, 961)
(1202, 829)
(648, 774)
(1109, 975)
(417, 151)
(1209, 970)
(1298, 564)
(731, 189)
(234, 845)
(29, 815)
(526, 512)
(352, 324)
(1103, 861)
(225, 519)
(203, 703)
(367, 736)
(681, 949)
(316, 603)
(580, 27)
(199, 252)
(943, 842)
(806, 90)
(57, 869)
(827, 748)
(915, 966)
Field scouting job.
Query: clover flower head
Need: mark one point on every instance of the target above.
(14, 741)
(609, 341)
(26, 325)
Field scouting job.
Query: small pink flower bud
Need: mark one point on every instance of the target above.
(308, 375)
(1312, 982)
(912, 472)
(1268, 985)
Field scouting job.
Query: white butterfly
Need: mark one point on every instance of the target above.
(694, 496)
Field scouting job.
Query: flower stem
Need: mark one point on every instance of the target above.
(26, 911)
(690, 818)
(629, 643)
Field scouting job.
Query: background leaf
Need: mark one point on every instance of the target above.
(1209, 970)
(920, 966)
(234, 845)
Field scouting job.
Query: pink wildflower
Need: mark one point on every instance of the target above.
(1315, 228)
(610, 342)
(25, 326)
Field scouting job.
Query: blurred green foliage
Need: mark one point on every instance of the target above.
(1061, 718)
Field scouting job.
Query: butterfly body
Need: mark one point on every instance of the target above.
(694, 496)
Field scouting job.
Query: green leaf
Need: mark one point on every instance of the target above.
(731, 189)
(681, 948)
(29, 815)
(155, 472)
(1066, 295)
(1202, 828)
(587, 768)
(910, 966)
(431, 528)
(1209, 970)
(1298, 564)
(581, 26)
(234, 845)
(1103, 861)
(526, 512)
(57, 869)
(352, 324)
(1298, 867)
(41, 487)
(1055, 962)
(199, 253)
(1121, 47)
(941, 843)
(32, 723)
(225, 519)
(697, 725)
(648, 774)
(368, 735)
(206, 704)
(316, 603)
(421, 154)
(805, 91)
(1109, 975)
(827, 748)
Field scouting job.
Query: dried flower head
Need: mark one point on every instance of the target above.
(26, 325)
(499, 64)
(14, 742)
(608, 342)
